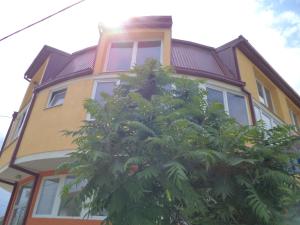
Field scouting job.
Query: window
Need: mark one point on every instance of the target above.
(19, 123)
(294, 119)
(269, 120)
(104, 86)
(234, 104)
(264, 96)
(51, 203)
(20, 206)
(124, 55)
(57, 97)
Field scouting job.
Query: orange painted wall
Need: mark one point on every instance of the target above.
(132, 34)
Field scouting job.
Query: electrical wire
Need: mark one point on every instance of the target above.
(41, 20)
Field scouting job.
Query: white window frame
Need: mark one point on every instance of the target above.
(225, 91)
(18, 127)
(263, 99)
(263, 110)
(57, 202)
(134, 51)
(293, 115)
(51, 94)
(93, 96)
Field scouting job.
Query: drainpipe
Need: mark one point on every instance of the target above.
(18, 167)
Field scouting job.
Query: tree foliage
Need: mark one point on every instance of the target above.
(155, 153)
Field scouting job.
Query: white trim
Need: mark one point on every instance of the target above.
(44, 155)
(57, 201)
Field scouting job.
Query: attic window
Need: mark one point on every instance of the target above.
(124, 55)
(57, 97)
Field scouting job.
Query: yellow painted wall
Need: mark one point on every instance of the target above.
(250, 73)
(132, 34)
(44, 129)
(7, 154)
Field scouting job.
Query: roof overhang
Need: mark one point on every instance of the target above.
(40, 59)
(244, 46)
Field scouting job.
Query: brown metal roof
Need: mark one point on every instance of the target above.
(191, 58)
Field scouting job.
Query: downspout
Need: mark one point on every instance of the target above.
(243, 88)
(14, 156)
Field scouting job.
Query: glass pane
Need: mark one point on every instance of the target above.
(69, 205)
(214, 96)
(104, 87)
(267, 120)
(147, 50)
(269, 100)
(57, 98)
(237, 108)
(120, 55)
(47, 197)
(21, 205)
(260, 91)
(257, 113)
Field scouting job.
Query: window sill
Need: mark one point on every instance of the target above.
(69, 217)
(51, 107)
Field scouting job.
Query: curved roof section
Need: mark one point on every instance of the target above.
(196, 59)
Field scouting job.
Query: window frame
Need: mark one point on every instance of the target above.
(225, 92)
(263, 110)
(50, 97)
(16, 204)
(294, 119)
(134, 52)
(95, 84)
(17, 126)
(57, 202)
(264, 99)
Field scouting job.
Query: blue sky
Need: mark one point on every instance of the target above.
(287, 19)
(271, 26)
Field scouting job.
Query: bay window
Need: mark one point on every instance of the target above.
(124, 55)
(234, 104)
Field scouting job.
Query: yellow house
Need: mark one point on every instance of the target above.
(235, 75)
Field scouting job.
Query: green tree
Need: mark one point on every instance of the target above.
(156, 154)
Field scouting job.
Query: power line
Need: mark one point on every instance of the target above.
(41, 20)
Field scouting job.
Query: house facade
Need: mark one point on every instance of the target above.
(235, 75)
